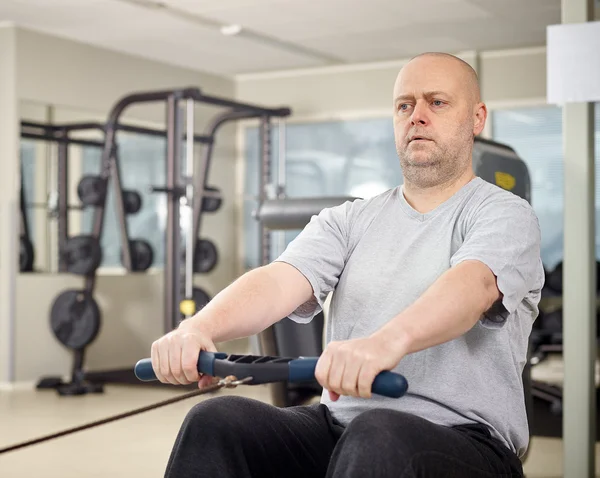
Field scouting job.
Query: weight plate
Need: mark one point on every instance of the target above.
(132, 201)
(75, 318)
(142, 255)
(206, 256)
(200, 298)
(210, 203)
(26, 255)
(82, 254)
(91, 190)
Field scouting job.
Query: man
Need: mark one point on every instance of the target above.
(438, 279)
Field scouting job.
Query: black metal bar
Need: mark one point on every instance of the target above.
(63, 200)
(121, 215)
(98, 221)
(163, 134)
(173, 239)
(201, 178)
(257, 110)
(24, 224)
(265, 180)
(148, 97)
(49, 137)
(99, 126)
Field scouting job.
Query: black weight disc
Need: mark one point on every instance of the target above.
(201, 298)
(75, 318)
(26, 255)
(206, 256)
(82, 254)
(211, 203)
(91, 190)
(142, 255)
(132, 201)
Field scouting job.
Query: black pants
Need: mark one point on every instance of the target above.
(227, 437)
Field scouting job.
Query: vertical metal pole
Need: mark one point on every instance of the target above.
(579, 276)
(23, 223)
(106, 169)
(173, 239)
(281, 177)
(265, 181)
(189, 195)
(63, 198)
(119, 203)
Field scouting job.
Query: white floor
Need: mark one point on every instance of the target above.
(137, 446)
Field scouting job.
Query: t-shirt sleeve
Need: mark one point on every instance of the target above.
(505, 235)
(320, 252)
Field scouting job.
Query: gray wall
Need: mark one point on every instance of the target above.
(61, 80)
(9, 193)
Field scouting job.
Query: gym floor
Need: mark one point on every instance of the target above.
(139, 445)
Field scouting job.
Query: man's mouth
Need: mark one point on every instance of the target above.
(418, 139)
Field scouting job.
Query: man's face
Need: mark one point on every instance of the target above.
(436, 116)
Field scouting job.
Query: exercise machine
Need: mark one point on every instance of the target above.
(75, 316)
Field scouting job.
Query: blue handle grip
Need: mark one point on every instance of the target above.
(143, 369)
(388, 384)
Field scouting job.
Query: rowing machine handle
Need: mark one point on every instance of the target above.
(386, 383)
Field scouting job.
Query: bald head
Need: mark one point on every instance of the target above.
(454, 66)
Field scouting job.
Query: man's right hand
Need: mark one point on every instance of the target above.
(175, 356)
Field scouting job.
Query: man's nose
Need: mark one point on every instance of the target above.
(419, 116)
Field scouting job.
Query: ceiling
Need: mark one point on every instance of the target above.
(287, 34)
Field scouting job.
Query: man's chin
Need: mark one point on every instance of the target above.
(423, 161)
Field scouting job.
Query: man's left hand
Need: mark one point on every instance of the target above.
(349, 367)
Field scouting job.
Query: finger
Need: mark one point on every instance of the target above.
(155, 357)
(175, 356)
(336, 373)
(352, 368)
(205, 381)
(333, 396)
(365, 381)
(189, 359)
(165, 361)
(322, 369)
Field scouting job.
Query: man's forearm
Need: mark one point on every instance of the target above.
(252, 303)
(447, 310)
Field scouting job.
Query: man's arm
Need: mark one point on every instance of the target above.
(447, 310)
(249, 305)
(252, 303)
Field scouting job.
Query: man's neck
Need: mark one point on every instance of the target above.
(424, 200)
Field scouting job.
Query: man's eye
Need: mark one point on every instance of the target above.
(403, 107)
(437, 103)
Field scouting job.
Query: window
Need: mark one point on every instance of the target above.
(142, 161)
(536, 135)
(353, 158)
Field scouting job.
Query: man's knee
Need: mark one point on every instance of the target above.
(383, 431)
(219, 415)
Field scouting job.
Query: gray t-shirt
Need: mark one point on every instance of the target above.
(379, 255)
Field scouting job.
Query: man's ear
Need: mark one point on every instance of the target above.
(480, 118)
